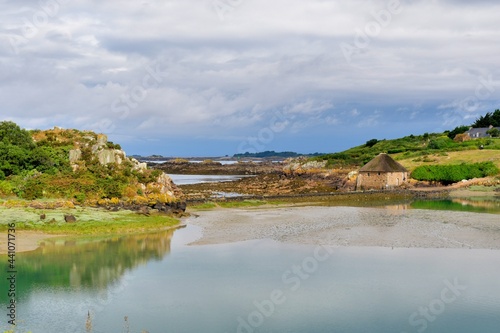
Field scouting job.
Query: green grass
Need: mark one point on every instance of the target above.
(456, 157)
(479, 188)
(242, 204)
(407, 148)
(237, 204)
(205, 205)
(90, 221)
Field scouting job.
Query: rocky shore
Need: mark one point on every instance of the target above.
(208, 167)
(291, 179)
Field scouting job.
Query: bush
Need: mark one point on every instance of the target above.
(458, 130)
(448, 174)
(494, 132)
(112, 145)
(371, 143)
(5, 188)
(440, 143)
(80, 198)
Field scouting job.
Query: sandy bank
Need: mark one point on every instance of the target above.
(351, 226)
(25, 241)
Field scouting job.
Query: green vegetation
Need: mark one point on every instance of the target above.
(448, 174)
(415, 146)
(371, 143)
(242, 204)
(489, 119)
(458, 130)
(480, 188)
(272, 153)
(236, 204)
(90, 221)
(491, 207)
(494, 132)
(19, 153)
(268, 153)
(205, 205)
(36, 165)
(408, 147)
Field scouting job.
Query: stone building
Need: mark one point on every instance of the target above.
(383, 172)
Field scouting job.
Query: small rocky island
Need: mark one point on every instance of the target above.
(81, 168)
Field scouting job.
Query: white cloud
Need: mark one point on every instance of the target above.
(227, 78)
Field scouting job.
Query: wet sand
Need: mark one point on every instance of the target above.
(351, 226)
(25, 241)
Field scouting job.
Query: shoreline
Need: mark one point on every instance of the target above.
(350, 226)
(305, 206)
(31, 229)
(27, 240)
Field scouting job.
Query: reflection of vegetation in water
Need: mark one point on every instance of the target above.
(88, 263)
(476, 205)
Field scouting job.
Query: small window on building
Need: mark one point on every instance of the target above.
(379, 173)
(368, 174)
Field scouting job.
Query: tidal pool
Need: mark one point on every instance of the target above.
(162, 284)
(197, 179)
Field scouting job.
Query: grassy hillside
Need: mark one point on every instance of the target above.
(416, 150)
(452, 157)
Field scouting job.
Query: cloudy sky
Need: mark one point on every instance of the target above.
(217, 77)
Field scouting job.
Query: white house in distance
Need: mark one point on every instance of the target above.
(478, 133)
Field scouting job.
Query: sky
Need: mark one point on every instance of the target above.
(220, 77)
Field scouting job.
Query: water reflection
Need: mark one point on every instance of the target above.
(476, 205)
(89, 263)
(214, 288)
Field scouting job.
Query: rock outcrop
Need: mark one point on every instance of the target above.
(105, 152)
(118, 180)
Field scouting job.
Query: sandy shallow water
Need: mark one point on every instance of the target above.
(351, 226)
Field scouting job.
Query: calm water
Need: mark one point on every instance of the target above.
(197, 179)
(163, 285)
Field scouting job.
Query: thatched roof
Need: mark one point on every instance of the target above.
(383, 163)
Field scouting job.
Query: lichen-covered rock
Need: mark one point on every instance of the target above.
(138, 165)
(126, 179)
(165, 185)
(75, 155)
(300, 166)
(107, 156)
(102, 140)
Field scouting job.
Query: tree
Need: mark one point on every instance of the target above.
(457, 130)
(13, 159)
(494, 132)
(19, 153)
(12, 134)
(371, 143)
(488, 119)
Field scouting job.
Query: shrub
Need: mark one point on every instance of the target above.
(5, 187)
(440, 143)
(494, 132)
(448, 174)
(458, 130)
(80, 198)
(371, 143)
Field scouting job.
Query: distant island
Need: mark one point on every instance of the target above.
(272, 153)
(269, 154)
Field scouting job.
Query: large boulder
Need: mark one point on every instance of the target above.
(106, 156)
(69, 218)
(75, 155)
